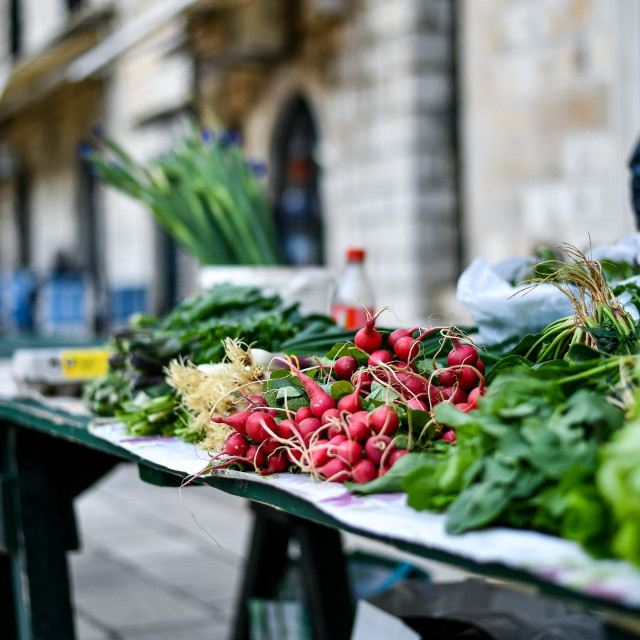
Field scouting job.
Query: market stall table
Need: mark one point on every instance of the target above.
(49, 456)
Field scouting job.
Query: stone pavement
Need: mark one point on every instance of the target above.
(148, 571)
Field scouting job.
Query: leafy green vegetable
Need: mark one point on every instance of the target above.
(527, 457)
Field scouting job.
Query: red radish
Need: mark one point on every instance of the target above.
(474, 394)
(335, 429)
(463, 406)
(339, 439)
(407, 349)
(381, 356)
(412, 384)
(237, 421)
(345, 367)
(286, 429)
(462, 354)
(277, 462)
(364, 379)
(447, 392)
(308, 427)
(350, 451)
(256, 401)
(467, 378)
(363, 471)
(368, 338)
(396, 455)
(330, 415)
(255, 455)
(319, 399)
(256, 424)
(447, 377)
(302, 413)
(414, 403)
(351, 402)
(360, 415)
(480, 366)
(394, 336)
(358, 429)
(458, 396)
(335, 470)
(405, 366)
(376, 446)
(449, 436)
(320, 453)
(295, 455)
(270, 445)
(236, 445)
(384, 420)
(436, 395)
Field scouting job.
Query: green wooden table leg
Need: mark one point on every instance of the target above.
(323, 570)
(39, 510)
(266, 563)
(7, 613)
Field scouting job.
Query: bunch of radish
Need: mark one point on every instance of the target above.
(338, 440)
(326, 440)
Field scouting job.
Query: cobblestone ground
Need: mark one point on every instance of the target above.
(147, 570)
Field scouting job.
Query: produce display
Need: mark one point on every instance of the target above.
(544, 436)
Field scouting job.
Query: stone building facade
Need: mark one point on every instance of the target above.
(445, 130)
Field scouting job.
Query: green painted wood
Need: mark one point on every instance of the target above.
(33, 415)
(41, 512)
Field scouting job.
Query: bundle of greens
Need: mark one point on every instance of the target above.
(600, 321)
(614, 270)
(203, 193)
(527, 457)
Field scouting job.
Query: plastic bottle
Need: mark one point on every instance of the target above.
(353, 295)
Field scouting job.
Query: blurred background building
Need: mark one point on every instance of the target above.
(428, 131)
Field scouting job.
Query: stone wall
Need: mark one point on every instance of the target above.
(550, 94)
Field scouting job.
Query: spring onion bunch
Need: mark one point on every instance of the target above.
(600, 321)
(203, 193)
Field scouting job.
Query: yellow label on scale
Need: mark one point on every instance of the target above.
(84, 364)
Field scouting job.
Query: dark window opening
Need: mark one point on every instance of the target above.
(23, 218)
(295, 181)
(74, 5)
(88, 245)
(15, 27)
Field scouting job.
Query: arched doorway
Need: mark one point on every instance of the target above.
(295, 184)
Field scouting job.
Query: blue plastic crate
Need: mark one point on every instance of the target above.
(124, 302)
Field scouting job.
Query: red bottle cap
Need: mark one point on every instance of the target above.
(355, 255)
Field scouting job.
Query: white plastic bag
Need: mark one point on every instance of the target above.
(499, 310)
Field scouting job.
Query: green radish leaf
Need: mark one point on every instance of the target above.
(579, 353)
(508, 362)
(347, 349)
(289, 392)
(380, 395)
(340, 389)
(416, 419)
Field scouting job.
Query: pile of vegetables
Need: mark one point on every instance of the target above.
(545, 436)
(351, 417)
